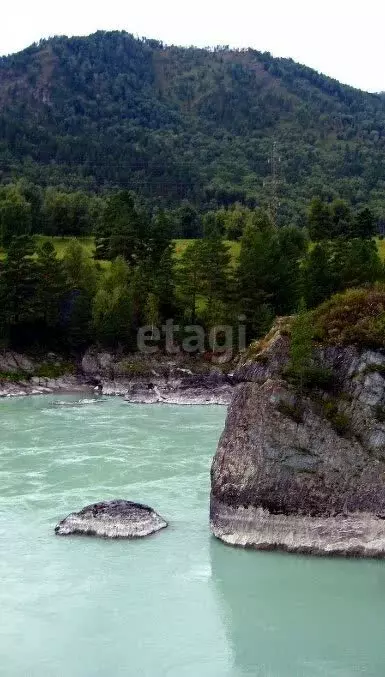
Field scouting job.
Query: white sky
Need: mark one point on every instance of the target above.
(342, 38)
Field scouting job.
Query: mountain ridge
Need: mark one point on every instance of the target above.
(174, 123)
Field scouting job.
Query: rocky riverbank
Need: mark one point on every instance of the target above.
(303, 471)
(131, 377)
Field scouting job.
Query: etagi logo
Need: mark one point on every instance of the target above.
(223, 340)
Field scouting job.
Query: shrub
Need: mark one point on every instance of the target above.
(47, 370)
(310, 378)
(356, 316)
(340, 422)
(13, 377)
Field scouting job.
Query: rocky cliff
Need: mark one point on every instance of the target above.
(303, 470)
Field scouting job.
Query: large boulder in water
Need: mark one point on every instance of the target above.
(304, 471)
(112, 519)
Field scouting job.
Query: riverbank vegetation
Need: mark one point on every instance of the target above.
(132, 272)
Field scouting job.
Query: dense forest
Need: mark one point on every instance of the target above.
(199, 128)
(134, 278)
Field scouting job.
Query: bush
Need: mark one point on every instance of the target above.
(340, 422)
(13, 377)
(47, 370)
(355, 317)
(309, 378)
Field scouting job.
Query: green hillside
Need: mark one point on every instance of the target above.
(175, 124)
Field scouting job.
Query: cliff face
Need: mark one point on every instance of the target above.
(304, 472)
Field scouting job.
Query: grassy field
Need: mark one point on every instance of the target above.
(180, 246)
(88, 243)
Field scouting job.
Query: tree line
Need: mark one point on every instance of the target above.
(67, 304)
(28, 209)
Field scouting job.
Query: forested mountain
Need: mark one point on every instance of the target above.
(174, 124)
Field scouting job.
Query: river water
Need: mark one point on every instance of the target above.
(179, 603)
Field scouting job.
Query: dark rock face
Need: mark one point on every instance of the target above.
(287, 476)
(112, 519)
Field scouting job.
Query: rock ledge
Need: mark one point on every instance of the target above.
(354, 535)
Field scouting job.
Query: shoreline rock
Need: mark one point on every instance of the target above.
(140, 394)
(45, 386)
(304, 471)
(133, 378)
(112, 519)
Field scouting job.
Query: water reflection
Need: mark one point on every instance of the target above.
(288, 616)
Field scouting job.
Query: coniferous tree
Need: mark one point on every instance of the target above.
(319, 275)
(159, 236)
(364, 225)
(82, 279)
(163, 284)
(288, 282)
(256, 276)
(320, 221)
(18, 289)
(128, 226)
(15, 215)
(189, 279)
(215, 264)
(342, 219)
(52, 289)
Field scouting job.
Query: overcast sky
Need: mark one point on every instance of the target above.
(342, 38)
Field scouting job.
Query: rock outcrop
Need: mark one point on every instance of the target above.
(138, 378)
(150, 380)
(112, 519)
(304, 472)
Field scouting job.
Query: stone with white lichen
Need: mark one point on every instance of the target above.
(112, 519)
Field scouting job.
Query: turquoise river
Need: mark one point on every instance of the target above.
(179, 603)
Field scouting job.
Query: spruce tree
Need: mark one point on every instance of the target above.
(364, 225)
(52, 287)
(255, 275)
(320, 221)
(214, 264)
(319, 275)
(19, 281)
